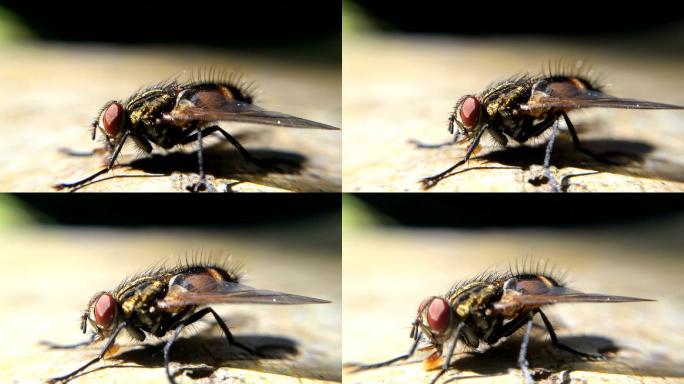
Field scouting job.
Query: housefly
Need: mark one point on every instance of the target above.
(524, 107)
(165, 300)
(176, 113)
(488, 308)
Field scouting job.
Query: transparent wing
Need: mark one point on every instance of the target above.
(570, 94)
(534, 290)
(214, 105)
(206, 288)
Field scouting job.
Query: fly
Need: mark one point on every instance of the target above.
(488, 308)
(176, 113)
(524, 107)
(166, 300)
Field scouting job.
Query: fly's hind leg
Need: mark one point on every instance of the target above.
(232, 140)
(193, 318)
(559, 345)
(213, 129)
(229, 336)
(580, 148)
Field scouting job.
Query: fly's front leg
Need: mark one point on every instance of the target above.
(92, 152)
(422, 145)
(431, 181)
(110, 342)
(385, 363)
(52, 345)
(450, 354)
(75, 185)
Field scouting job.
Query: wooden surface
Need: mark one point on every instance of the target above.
(49, 275)
(387, 273)
(51, 94)
(403, 87)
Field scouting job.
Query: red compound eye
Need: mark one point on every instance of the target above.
(470, 112)
(105, 308)
(112, 118)
(439, 315)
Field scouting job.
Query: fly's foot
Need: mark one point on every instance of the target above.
(583, 355)
(201, 186)
(422, 145)
(429, 182)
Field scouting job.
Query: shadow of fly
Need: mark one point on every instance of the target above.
(176, 113)
(164, 301)
(524, 107)
(488, 308)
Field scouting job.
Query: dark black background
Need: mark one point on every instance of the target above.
(183, 210)
(472, 211)
(226, 23)
(569, 17)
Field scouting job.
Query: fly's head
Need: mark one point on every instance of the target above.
(112, 122)
(435, 320)
(102, 314)
(467, 118)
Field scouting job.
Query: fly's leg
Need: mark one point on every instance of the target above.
(167, 349)
(508, 329)
(450, 354)
(213, 129)
(557, 344)
(193, 318)
(80, 183)
(580, 148)
(191, 138)
(202, 183)
(243, 152)
(522, 359)
(547, 158)
(422, 145)
(74, 153)
(52, 345)
(110, 342)
(390, 361)
(229, 336)
(431, 181)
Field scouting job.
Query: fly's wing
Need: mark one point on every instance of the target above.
(534, 292)
(216, 105)
(207, 288)
(572, 93)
